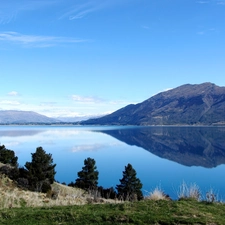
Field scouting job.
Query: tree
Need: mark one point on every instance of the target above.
(41, 170)
(88, 176)
(8, 156)
(130, 186)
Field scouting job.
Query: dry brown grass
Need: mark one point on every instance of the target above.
(156, 194)
(12, 196)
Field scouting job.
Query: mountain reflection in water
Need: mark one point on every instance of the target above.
(189, 146)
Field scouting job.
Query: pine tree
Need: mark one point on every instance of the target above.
(8, 156)
(130, 186)
(41, 170)
(88, 176)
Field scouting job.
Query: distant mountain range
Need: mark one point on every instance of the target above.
(26, 117)
(21, 117)
(202, 104)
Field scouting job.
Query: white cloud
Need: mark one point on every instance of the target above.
(6, 102)
(48, 104)
(79, 11)
(13, 93)
(35, 40)
(86, 99)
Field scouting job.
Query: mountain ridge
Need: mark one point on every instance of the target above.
(189, 104)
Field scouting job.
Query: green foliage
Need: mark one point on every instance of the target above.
(41, 170)
(88, 176)
(8, 156)
(130, 186)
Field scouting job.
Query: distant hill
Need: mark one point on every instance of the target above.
(202, 104)
(19, 117)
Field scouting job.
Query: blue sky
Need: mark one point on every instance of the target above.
(82, 57)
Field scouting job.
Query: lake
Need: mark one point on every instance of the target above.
(161, 156)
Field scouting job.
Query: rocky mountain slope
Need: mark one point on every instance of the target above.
(202, 104)
(18, 117)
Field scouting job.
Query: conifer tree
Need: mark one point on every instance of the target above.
(88, 176)
(41, 170)
(8, 156)
(130, 186)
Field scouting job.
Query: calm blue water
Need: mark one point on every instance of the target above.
(161, 156)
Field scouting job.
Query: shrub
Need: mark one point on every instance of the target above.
(8, 156)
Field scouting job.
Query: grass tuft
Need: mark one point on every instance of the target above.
(189, 191)
(157, 194)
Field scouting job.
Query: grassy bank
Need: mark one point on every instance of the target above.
(75, 206)
(143, 212)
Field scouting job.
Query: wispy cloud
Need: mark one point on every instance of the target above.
(145, 27)
(86, 99)
(207, 31)
(217, 2)
(202, 2)
(48, 104)
(221, 3)
(6, 102)
(13, 93)
(36, 40)
(10, 9)
(79, 11)
(200, 32)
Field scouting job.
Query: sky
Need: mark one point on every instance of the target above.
(92, 57)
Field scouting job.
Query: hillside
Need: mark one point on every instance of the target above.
(202, 104)
(18, 117)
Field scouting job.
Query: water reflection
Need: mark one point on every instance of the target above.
(19, 133)
(115, 147)
(197, 146)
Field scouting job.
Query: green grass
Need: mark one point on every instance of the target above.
(145, 212)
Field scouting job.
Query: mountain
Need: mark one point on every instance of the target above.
(19, 117)
(202, 104)
(189, 146)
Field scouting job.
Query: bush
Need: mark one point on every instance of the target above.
(8, 156)
(107, 193)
